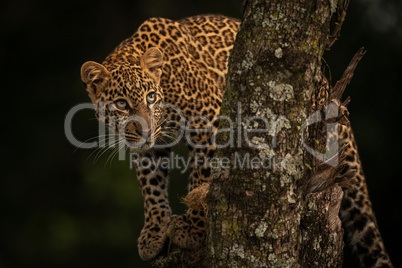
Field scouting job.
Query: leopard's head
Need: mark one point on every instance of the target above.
(128, 97)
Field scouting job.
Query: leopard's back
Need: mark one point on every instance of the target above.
(195, 53)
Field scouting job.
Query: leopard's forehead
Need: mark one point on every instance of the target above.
(127, 81)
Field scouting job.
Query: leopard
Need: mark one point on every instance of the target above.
(356, 211)
(169, 76)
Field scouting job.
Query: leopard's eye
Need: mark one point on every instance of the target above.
(151, 97)
(121, 104)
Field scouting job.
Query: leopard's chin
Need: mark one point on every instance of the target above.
(141, 147)
(144, 148)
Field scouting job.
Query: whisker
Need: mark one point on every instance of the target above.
(85, 141)
(109, 142)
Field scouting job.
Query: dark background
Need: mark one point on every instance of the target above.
(61, 208)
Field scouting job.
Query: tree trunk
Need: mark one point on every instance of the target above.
(265, 208)
(260, 216)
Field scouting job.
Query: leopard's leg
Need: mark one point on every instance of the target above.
(189, 230)
(152, 178)
(357, 214)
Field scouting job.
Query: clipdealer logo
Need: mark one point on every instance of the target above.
(258, 127)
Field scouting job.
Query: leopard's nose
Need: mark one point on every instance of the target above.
(146, 133)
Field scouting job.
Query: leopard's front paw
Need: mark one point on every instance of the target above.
(151, 241)
(188, 231)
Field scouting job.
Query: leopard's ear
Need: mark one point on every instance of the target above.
(152, 62)
(94, 75)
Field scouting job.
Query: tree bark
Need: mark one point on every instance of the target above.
(272, 213)
(259, 216)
